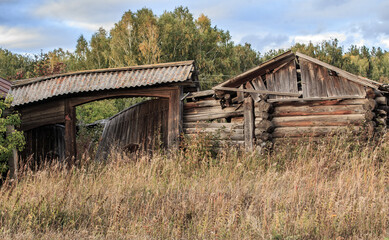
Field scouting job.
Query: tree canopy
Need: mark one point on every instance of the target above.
(142, 37)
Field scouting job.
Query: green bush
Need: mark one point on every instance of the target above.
(8, 142)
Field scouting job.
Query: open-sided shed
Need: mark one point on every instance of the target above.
(52, 100)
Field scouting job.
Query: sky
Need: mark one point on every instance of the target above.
(32, 26)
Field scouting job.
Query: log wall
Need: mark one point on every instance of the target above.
(205, 114)
(321, 117)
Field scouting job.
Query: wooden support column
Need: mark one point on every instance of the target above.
(70, 132)
(13, 159)
(249, 123)
(175, 117)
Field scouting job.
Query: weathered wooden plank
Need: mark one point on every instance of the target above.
(340, 72)
(310, 131)
(70, 133)
(284, 80)
(255, 96)
(319, 120)
(258, 83)
(202, 103)
(249, 123)
(240, 94)
(214, 125)
(210, 110)
(212, 116)
(317, 110)
(221, 136)
(213, 130)
(201, 94)
(306, 100)
(175, 117)
(259, 91)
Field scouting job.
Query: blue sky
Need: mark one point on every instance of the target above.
(27, 26)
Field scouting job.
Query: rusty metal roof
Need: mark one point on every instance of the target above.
(37, 89)
(4, 87)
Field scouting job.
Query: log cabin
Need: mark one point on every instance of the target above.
(291, 95)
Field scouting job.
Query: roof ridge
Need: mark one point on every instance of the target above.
(27, 81)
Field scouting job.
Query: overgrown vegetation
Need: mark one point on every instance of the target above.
(334, 189)
(10, 139)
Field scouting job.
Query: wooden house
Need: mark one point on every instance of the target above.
(291, 95)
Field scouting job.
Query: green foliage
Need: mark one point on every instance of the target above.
(93, 111)
(8, 142)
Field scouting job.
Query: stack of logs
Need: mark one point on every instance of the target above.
(263, 125)
(382, 110)
(202, 113)
(320, 117)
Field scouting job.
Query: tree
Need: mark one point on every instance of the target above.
(8, 141)
(100, 50)
(122, 42)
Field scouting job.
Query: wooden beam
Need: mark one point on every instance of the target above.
(249, 123)
(313, 99)
(201, 94)
(258, 91)
(70, 132)
(175, 117)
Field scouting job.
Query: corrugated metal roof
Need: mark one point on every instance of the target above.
(37, 89)
(4, 87)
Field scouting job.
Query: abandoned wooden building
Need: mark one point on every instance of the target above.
(49, 102)
(291, 95)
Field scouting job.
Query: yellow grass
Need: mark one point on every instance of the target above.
(335, 189)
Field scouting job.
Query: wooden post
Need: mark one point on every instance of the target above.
(175, 117)
(12, 160)
(70, 132)
(249, 123)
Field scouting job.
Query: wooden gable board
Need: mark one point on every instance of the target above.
(284, 79)
(317, 82)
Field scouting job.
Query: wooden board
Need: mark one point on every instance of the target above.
(319, 120)
(318, 110)
(142, 125)
(318, 82)
(283, 79)
(309, 131)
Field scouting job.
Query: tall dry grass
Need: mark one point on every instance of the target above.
(335, 189)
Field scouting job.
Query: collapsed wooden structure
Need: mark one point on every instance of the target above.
(52, 100)
(291, 95)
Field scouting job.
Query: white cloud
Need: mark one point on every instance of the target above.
(16, 37)
(384, 40)
(318, 38)
(87, 14)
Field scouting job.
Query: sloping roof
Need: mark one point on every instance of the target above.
(4, 87)
(288, 56)
(37, 89)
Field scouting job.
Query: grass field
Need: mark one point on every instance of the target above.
(335, 189)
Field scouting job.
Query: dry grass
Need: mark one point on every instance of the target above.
(336, 189)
